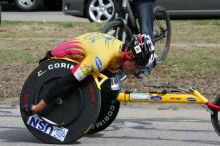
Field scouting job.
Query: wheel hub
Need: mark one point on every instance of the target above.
(101, 11)
(26, 3)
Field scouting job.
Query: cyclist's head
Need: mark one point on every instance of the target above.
(142, 50)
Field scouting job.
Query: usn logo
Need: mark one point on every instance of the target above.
(56, 132)
(98, 63)
(190, 99)
(60, 133)
(156, 98)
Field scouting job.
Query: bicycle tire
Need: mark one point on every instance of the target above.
(117, 24)
(77, 125)
(165, 49)
(215, 117)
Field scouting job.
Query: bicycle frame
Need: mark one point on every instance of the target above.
(128, 16)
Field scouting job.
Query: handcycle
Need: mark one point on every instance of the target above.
(86, 109)
(125, 25)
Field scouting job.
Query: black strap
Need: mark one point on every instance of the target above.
(47, 56)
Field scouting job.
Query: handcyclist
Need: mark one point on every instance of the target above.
(96, 52)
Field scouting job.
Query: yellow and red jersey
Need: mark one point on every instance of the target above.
(94, 52)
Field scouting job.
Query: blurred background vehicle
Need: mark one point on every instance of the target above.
(32, 5)
(104, 10)
(0, 13)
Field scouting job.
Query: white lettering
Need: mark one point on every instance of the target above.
(57, 132)
(72, 66)
(63, 65)
(112, 108)
(106, 118)
(50, 67)
(110, 113)
(57, 65)
(60, 65)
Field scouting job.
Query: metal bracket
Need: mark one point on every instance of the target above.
(207, 109)
(176, 88)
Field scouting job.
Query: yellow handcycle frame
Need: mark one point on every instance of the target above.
(189, 98)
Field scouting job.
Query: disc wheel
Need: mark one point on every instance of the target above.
(109, 109)
(67, 118)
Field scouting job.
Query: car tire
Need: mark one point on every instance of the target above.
(53, 5)
(97, 12)
(0, 14)
(33, 5)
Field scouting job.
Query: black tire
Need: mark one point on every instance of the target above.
(215, 117)
(53, 4)
(162, 33)
(92, 19)
(0, 13)
(115, 28)
(109, 109)
(37, 4)
(108, 113)
(75, 114)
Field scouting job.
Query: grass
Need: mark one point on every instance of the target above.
(27, 42)
(192, 39)
(195, 43)
(193, 58)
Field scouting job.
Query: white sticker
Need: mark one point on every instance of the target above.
(56, 132)
(140, 96)
(137, 49)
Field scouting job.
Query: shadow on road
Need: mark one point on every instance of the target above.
(144, 124)
(22, 135)
(198, 141)
(16, 135)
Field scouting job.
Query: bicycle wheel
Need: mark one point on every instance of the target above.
(162, 33)
(116, 29)
(65, 119)
(215, 117)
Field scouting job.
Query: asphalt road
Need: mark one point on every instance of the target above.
(134, 126)
(40, 16)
